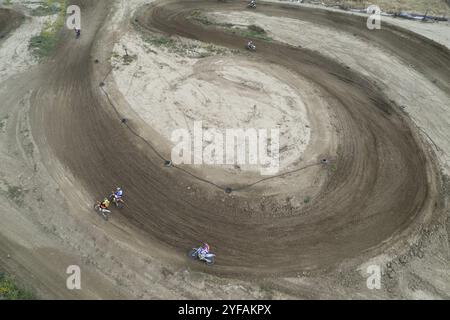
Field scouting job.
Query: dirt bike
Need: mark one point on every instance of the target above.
(104, 212)
(250, 47)
(251, 5)
(196, 253)
(117, 201)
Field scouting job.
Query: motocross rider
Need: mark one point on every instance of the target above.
(105, 204)
(118, 193)
(204, 250)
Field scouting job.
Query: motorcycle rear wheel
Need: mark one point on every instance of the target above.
(105, 216)
(212, 261)
(119, 205)
(100, 212)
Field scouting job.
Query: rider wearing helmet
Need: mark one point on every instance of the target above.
(105, 204)
(203, 250)
(118, 193)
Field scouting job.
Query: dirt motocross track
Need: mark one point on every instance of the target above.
(9, 20)
(385, 181)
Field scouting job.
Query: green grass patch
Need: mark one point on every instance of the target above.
(266, 291)
(9, 290)
(16, 194)
(252, 31)
(177, 47)
(256, 29)
(202, 19)
(47, 9)
(333, 167)
(255, 32)
(43, 44)
(197, 15)
(3, 122)
(160, 41)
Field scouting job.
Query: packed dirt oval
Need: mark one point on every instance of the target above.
(364, 119)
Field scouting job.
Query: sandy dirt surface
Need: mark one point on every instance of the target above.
(400, 80)
(430, 7)
(437, 31)
(14, 45)
(381, 201)
(181, 88)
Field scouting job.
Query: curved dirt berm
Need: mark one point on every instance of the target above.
(383, 185)
(9, 20)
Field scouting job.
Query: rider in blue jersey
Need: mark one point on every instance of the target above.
(118, 193)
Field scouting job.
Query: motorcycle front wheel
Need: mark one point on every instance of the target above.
(192, 254)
